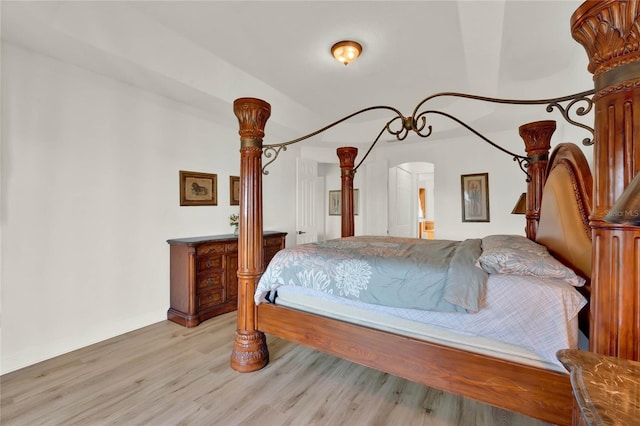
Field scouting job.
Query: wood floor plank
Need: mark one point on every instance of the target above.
(166, 374)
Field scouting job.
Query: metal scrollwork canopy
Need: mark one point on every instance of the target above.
(400, 126)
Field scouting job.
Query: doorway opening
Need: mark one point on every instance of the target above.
(411, 200)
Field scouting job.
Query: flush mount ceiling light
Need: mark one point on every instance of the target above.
(346, 51)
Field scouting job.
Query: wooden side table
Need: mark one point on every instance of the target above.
(606, 389)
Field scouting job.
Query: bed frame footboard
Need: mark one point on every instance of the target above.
(535, 392)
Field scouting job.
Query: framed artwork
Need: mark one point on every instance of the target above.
(356, 202)
(234, 190)
(335, 202)
(475, 197)
(198, 189)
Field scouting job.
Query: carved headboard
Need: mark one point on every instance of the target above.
(565, 209)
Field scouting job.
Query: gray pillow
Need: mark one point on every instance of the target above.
(518, 255)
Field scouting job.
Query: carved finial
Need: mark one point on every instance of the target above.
(252, 116)
(611, 20)
(537, 136)
(347, 156)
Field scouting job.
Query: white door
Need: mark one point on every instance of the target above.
(306, 200)
(400, 203)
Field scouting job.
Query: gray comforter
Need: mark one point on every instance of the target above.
(437, 275)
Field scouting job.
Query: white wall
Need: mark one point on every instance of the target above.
(89, 197)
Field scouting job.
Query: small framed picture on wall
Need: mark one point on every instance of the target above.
(234, 190)
(475, 197)
(335, 202)
(198, 189)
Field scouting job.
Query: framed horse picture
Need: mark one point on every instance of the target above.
(198, 189)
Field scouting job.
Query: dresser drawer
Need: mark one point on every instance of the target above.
(232, 276)
(211, 297)
(273, 242)
(206, 249)
(209, 263)
(206, 281)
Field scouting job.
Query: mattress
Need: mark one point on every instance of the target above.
(525, 319)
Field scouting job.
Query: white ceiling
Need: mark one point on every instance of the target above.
(205, 54)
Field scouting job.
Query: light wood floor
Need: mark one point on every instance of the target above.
(166, 374)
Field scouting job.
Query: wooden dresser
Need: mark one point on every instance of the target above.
(203, 275)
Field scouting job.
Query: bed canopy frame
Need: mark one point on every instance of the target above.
(608, 30)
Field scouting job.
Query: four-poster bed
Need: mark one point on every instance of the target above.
(559, 192)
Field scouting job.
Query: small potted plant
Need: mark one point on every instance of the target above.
(234, 220)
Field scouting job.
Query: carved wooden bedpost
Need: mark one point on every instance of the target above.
(347, 157)
(250, 351)
(537, 141)
(608, 30)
